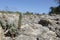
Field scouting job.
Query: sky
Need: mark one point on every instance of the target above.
(36, 6)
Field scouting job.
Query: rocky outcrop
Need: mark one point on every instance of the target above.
(1, 33)
(25, 37)
(37, 31)
(33, 27)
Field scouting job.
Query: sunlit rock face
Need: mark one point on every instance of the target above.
(1, 33)
(33, 27)
(37, 31)
(52, 22)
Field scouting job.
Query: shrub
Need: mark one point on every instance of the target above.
(28, 13)
(55, 10)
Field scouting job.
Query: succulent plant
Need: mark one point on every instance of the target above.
(19, 22)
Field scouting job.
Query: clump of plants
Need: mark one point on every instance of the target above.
(20, 18)
(55, 10)
(10, 30)
(28, 13)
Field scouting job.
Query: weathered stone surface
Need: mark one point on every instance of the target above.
(24, 37)
(31, 29)
(1, 33)
(38, 31)
(7, 38)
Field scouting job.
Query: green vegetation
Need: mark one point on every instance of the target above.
(6, 12)
(28, 13)
(10, 29)
(20, 18)
(55, 10)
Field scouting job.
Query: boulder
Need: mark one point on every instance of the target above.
(1, 33)
(7, 38)
(24, 37)
(38, 31)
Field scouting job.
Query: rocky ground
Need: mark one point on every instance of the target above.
(33, 27)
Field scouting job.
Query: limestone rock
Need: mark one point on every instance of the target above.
(36, 30)
(24, 37)
(1, 33)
